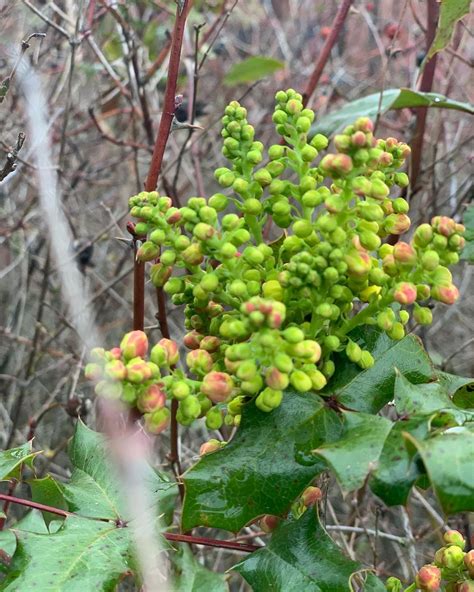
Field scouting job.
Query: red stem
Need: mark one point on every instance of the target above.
(159, 150)
(426, 85)
(326, 51)
(180, 538)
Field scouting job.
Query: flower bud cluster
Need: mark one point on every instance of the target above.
(262, 317)
(452, 568)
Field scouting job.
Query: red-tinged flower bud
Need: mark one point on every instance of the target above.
(311, 496)
(138, 371)
(192, 340)
(364, 124)
(423, 292)
(115, 370)
(358, 263)
(405, 293)
(268, 523)
(456, 242)
(115, 353)
(134, 345)
(192, 255)
(109, 390)
(158, 421)
(217, 386)
(199, 361)
(428, 578)
(446, 294)
(386, 159)
(300, 381)
(210, 446)
(172, 351)
(342, 142)
(454, 537)
(210, 343)
(276, 379)
(359, 139)
(151, 399)
(361, 185)
(165, 203)
(336, 164)
(404, 253)
(389, 265)
(148, 251)
(396, 223)
(469, 562)
(444, 225)
(93, 372)
(173, 216)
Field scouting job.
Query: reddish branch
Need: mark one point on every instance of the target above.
(159, 150)
(326, 51)
(426, 85)
(179, 538)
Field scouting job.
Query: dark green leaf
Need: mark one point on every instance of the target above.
(450, 12)
(392, 98)
(82, 555)
(397, 471)
(413, 399)
(32, 522)
(11, 461)
(191, 576)
(49, 492)
(355, 455)
(299, 557)
(369, 390)
(94, 489)
(264, 468)
(448, 461)
(251, 69)
(453, 383)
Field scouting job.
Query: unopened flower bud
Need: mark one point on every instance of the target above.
(217, 386)
(309, 350)
(93, 372)
(452, 557)
(397, 223)
(158, 421)
(467, 586)
(199, 361)
(210, 446)
(404, 253)
(397, 332)
(469, 562)
(428, 578)
(180, 390)
(353, 351)
(189, 407)
(300, 381)
(151, 399)
(454, 537)
(446, 294)
(268, 523)
(311, 496)
(115, 370)
(276, 379)
(109, 390)
(134, 344)
(148, 251)
(430, 260)
(378, 189)
(358, 263)
(192, 340)
(138, 371)
(393, 585)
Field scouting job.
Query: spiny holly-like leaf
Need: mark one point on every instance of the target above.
(82, 555)
(191, 576)
(392, 98)
(49, 492)
(369, 390)
(450, 12)
(32, 522)
(397, 470)
(264, 468)
(356, 454)
(453, 383)
(11, 460)
(94, 489)
(251, 69)
(300, 556)
(448, 461)
(411, 399)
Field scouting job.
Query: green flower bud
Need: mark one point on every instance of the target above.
(422, 315)
(396, 223)
(279, 116)
(141, 228)
(252, 206)
(93, 372)
(318, 380)
(401, 179)
(319, 142)
(366, 360)
(190, 407)
(293, 335)
(454, 537)
(328, 368)
(214, 419)
(353, 351)
(180, 390)
(300, 381)
(227, 179)
(430, 260)
(276, 151)
(269, 399)
(303, 125)
(452, 557)
(158, 421)
(400, 206)
(148, 251)
(397, 331)
(262, 177)
(393, 585)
